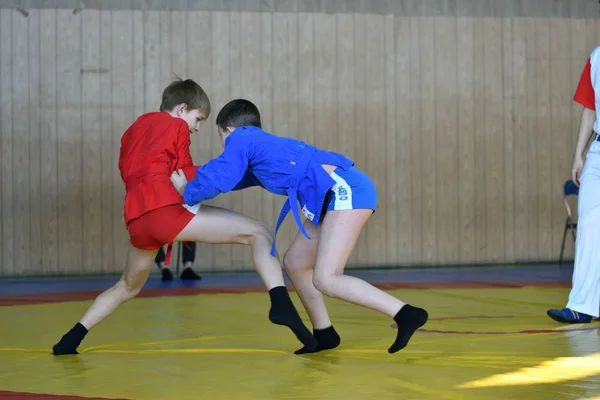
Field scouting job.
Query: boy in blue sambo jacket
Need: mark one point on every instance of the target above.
(336, 198)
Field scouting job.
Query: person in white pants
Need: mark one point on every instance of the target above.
(584, 299)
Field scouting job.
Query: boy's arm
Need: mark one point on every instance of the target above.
(190, 172)
(184, 158)
(247, 181)
(219, 175)
(182, 147)
(584, 95)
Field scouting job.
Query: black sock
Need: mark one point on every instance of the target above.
(283, 312)
(327, 339)
(70, 341)
(408, 319)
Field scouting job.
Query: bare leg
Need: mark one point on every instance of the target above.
(219, 225)
(209, 225)
(339, 234)
(136, 273)
(298, 262)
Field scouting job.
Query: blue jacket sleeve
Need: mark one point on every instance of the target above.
(219, 175)
(247, 181)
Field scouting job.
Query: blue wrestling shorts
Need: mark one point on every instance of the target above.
(353, 190)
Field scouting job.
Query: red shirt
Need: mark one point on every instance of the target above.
(584, 94)
(154, 146)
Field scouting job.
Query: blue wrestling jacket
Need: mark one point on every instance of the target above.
(284, 166)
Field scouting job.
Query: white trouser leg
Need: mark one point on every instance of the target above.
(585, 294)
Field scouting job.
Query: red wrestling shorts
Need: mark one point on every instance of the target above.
(158, 227)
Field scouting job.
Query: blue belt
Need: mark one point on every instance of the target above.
(597, 137)
(292, 193)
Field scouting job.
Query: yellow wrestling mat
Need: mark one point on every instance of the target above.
(479, 344)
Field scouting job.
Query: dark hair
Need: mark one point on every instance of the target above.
(188, 92)
(237, 113)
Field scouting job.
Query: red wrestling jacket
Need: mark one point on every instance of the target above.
(154, 146)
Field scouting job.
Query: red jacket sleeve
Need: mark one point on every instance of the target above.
(182, 147)
(584, 94)
(184, 158)
(190, 172)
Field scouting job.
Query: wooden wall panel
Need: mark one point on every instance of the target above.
(446, 137)
(361, 104)
(91, 120)
(20, 141)
(561, 92)
(507, 134)
(389, 236)
(49, 189)
(6, 86)
(345, 80)
(414, 141)
(107, 148)
(34, 147)
(375, 136)
(493, 141)
(465, 123)
(465, 179)
(427, 144)
(521, 135)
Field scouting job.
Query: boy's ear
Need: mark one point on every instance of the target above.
(181, 108)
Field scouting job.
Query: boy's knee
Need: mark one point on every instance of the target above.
(128, 291)
(263, 230)
(324, 284)
(294, 262)
(258, 230)
(291, 264)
